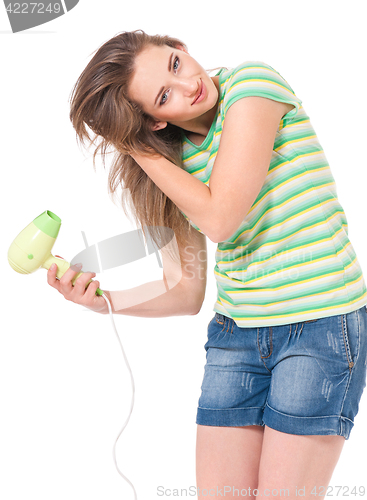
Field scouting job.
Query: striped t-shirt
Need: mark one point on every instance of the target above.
(290, 259)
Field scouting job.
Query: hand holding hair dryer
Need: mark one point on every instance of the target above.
(32, 248)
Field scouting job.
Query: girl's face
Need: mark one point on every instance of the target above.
(172, 87)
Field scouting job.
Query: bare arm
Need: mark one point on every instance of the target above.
(180, 292)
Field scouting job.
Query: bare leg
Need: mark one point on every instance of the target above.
(293, 462)
(227, 456)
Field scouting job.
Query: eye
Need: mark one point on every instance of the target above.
(176, 63)
(164, 97)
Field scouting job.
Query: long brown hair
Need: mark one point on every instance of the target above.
(99, 103)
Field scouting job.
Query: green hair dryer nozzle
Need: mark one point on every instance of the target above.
(32, 248)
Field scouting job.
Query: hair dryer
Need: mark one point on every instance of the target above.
(32, 248)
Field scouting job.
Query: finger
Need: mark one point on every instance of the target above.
(92, 300)
(51, 278)
(90, 293)
(81, 283)
(66, 279)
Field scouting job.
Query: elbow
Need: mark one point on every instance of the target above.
(218, 236)
(196, 309)
(216, 239)
(220, 231)
(215, 236)
(198, 304)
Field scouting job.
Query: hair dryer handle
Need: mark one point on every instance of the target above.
(62, 267)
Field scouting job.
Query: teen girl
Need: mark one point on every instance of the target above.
(235, 157)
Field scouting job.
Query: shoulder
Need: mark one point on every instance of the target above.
(244, 77)
(256, 72)
(257, 78)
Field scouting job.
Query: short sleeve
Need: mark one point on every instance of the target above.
(255, 78)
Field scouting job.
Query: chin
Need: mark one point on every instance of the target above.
(213, 95)
(214, 99)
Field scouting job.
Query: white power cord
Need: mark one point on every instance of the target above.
(132, 399)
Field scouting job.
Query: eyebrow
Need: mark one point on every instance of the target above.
(169, 70)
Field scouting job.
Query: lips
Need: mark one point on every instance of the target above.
(199, 93)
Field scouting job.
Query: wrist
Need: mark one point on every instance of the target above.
(145, 160)
(105, 309)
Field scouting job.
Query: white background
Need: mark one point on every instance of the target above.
(65, 390)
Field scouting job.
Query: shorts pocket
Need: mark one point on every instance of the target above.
(350, 337)
(221, 321)
(217, 330)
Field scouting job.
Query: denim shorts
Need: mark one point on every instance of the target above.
(300, 378)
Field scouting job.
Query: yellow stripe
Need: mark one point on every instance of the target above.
(200, 170)
(288, 237)
(261, 80)
(291, 284)
(295, 266)
(193, 156)
(294, 141)
(291, 124)
(269, 304)
(273, 209)
(283, 287)
(285, 252)
(278, 288)
(300, 156)
(254, 318)
(287, 182)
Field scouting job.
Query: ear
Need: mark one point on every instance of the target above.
(158, 125)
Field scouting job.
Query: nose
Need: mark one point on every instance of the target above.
(189, 86)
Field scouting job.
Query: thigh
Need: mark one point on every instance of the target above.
(227, 457)
(297, 466)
